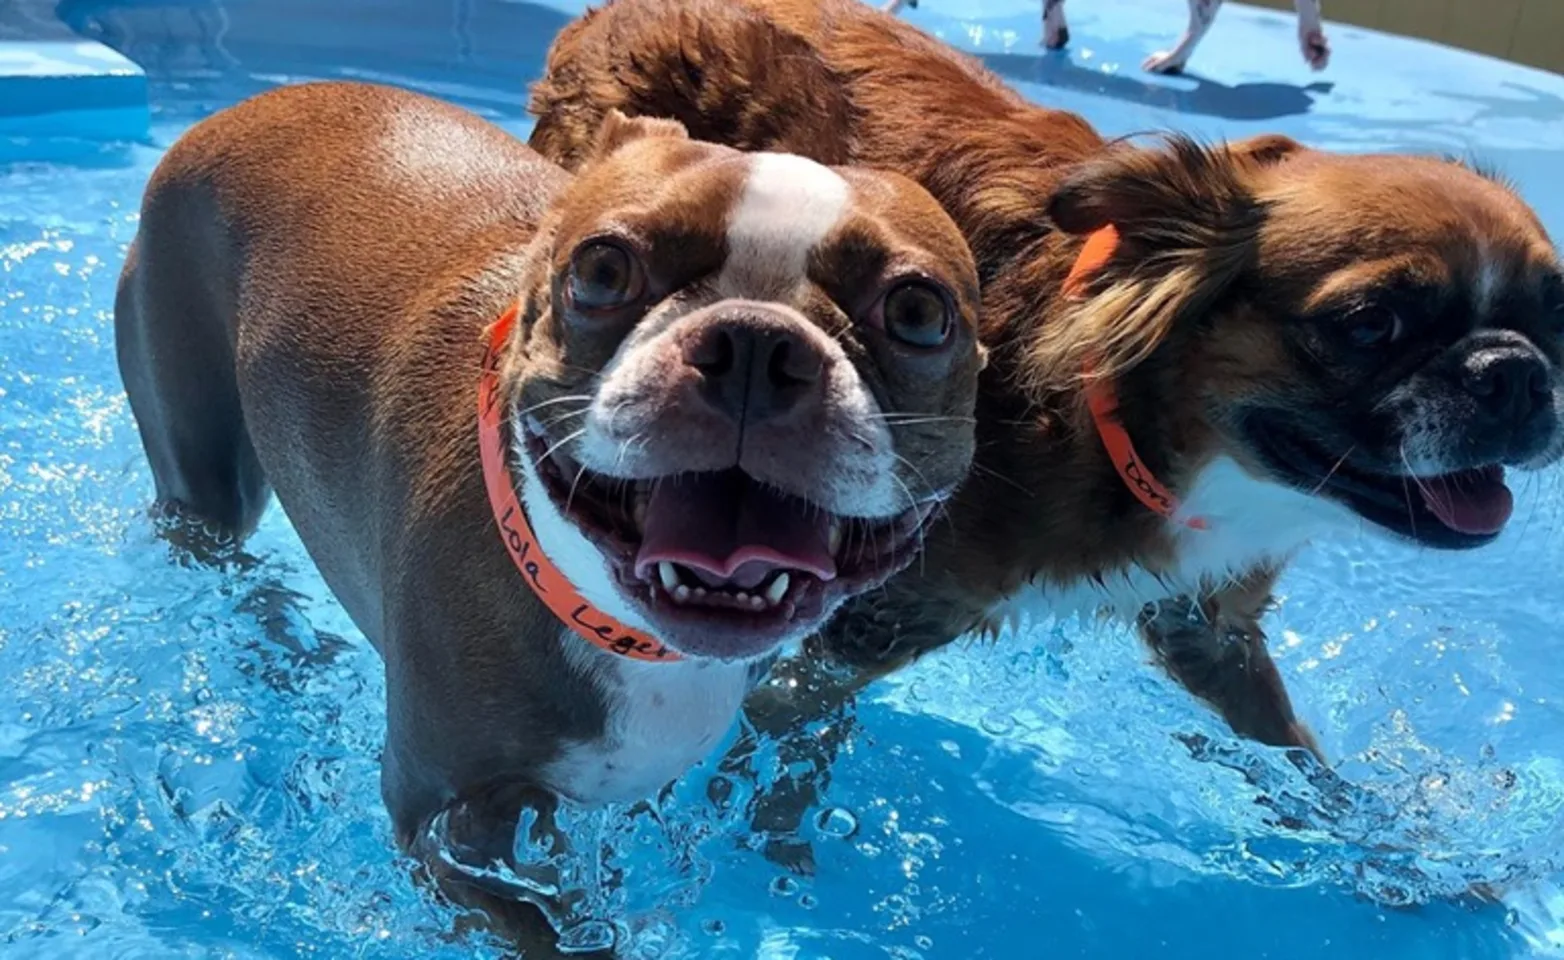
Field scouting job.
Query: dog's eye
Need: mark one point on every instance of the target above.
(1373, 327)
(604, 276)
(1553, 298)
(917, 313)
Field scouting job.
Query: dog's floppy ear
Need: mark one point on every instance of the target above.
(1187, 223)
(1147, 192)
(618, 129)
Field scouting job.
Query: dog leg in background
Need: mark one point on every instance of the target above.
(1216, 650)
(1311, 34)
(805, 711)
(1056, 33)
(806, 707)
(1202, 13)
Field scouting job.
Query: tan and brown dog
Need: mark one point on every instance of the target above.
(1203, 356)
(732, 389)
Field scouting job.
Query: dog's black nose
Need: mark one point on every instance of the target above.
(755, 365)
(1509, 383)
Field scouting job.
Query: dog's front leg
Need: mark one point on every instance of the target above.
(1202, 13)
(467, 851)
(1216, 649)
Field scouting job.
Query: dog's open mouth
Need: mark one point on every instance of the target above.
(720, 552)
(1464, 508)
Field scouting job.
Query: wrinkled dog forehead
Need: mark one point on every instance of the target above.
(761, 222)
(761, 214)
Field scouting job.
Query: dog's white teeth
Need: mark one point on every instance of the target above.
(681, 593)
(778, 588)
(757, 603)
(833, 538)
(667, 575)
(699, 593)
(742, 597)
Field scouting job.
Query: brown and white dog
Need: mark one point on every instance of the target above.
(1201, 356)
(1202, 13)
(577, 454)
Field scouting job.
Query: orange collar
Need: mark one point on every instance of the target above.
(1102, 399)
(545, 579)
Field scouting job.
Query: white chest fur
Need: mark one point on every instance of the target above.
(1249, 522)
(663, 718)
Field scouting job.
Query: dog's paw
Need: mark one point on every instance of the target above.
(792, 854)
(1163, 62)
(1316, 49)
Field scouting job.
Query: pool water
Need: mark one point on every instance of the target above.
(189, 764)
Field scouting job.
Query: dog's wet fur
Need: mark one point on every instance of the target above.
(1300, 341)
(698, 330)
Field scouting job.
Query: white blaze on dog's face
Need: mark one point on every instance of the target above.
(1379, 333)
(745, 387)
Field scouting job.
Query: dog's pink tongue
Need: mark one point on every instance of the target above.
(732, 531)
(1473, 501)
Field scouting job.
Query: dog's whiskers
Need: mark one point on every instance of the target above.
(561, 418)
(1406, 491)
(570, 497)
(1332, 471)
(573, 435)
(912, 504)
(552, 401)
(624, 448)
(911, 419)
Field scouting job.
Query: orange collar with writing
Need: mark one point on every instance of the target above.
(1102, 399)
(551, 586)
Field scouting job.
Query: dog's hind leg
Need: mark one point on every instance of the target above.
(1202, 13)
(1216, 649)
(175, 342)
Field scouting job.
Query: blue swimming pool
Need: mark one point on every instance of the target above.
(187, 773)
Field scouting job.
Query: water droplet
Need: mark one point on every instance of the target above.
(588, 936)
(836, 822)
(997, 724)
(784, 887)
(715, 928)
(808, 901)
(924, 942)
